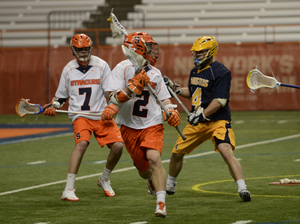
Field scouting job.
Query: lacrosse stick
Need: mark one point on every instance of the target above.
(178, 100)
(23, 107)
(137, 60)
(256, 79)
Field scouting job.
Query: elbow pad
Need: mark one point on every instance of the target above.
(222, 101)
(117, 98)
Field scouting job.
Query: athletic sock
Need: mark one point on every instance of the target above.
(106, 173)
(171, 179)
(241, 184)
(161, 196)
(70, 181)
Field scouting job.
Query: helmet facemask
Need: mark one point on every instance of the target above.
(152, 52)
(143, 44)
(203, 51)
(201, 58)
(81, 46)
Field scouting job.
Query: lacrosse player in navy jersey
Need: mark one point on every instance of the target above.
(84, 81)
(210, 117)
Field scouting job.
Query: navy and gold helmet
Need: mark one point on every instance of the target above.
(203, 50)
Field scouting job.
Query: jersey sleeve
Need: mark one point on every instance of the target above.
(163, 92)
(222, 86)
(106, 76)
(116, 80)
(62, 91)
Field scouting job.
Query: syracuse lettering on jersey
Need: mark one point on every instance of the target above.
(85, 82)
(199, 82)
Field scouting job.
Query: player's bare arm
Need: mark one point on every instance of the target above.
(184, 92)
(212, 107)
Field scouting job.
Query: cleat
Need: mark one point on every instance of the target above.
(171, 187)
(160, 209)
(151, 189)
(245, 195)
(69, 195)
(105, 185)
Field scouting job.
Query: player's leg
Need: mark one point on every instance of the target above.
(108, 133)
(224, 139)
(148, 175)
(175, 166)
(152, 144)
(74, 164)
(235, 170)
(115, 154)
(159, 179)
(82, 136)
(194, 138)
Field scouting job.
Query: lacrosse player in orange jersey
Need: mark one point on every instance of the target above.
(210, 118)
(139, 114)
(84, 81)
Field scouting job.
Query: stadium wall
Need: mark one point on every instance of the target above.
(24, 72)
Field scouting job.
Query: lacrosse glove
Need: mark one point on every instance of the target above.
(172, 85)
(174, 118)
(109, 112)
(50, 108)
(138, 82)
(197, 117)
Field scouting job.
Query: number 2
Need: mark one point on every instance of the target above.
(137, 111)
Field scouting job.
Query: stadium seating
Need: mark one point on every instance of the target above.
(168, 21)
(17, 16)
(232, 21)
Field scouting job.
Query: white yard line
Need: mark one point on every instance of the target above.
(163, 161)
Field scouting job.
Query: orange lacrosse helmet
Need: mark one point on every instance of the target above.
(81, 45)
(143, 44)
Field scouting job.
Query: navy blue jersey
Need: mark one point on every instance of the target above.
(208, 84)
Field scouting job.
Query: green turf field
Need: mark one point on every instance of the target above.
(268, 146)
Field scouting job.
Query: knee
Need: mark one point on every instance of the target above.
(117, 148)
(154, 160)
(81, 147)
(177, 157)
(147, 174)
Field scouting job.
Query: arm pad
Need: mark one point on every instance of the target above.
(222, 101)
(117, 98)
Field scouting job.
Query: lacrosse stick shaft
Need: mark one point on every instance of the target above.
(165, 110)
(178, 100)
(292, 86)
(75, 112)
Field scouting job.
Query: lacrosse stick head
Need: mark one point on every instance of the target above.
(143, 44)
(23, 107)
(256, 79)
(116, 27)
(203, 50)
(81, 45)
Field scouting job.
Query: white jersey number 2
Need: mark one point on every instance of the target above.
(137, 111)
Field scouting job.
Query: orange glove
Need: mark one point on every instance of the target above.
(50, 108)
(138, 82)
(174, 119)
(109, 112)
